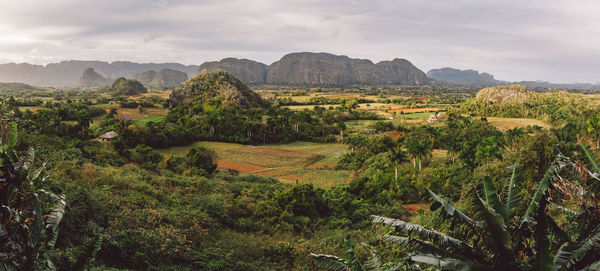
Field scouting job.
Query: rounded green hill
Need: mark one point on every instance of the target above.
(218, 86)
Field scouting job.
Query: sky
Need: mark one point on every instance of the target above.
(550, 40)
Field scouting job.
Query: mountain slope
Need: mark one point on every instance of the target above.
(248, 71)
(164, 78)
(67, 73)
(463, 77)
(329, 69)
(91, 78)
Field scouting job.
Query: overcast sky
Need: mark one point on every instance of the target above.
(557, 41)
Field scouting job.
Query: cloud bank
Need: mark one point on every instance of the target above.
(548, 40)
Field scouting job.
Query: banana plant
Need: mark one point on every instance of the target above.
(28, 232)
(498, 238)
(351, 262)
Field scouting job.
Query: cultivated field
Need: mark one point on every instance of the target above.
(504, 124)
(301, 162)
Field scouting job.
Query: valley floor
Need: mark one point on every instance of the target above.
(302, 162)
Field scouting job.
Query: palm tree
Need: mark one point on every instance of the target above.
(418, 148)
(398, 156)
(342, 127)
(499, 240)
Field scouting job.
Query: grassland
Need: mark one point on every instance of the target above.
(504, 124)
(301, 162)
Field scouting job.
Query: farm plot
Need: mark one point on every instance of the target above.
(510, 123)
(301, 162)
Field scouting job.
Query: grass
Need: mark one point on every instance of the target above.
(417, 116)
(150, 119)
(302, 162)
(510, 123)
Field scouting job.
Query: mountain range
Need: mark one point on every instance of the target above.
(304, 68)
(68, 73)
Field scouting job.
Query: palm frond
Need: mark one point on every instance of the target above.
(448, 263)
(329, 262)
(550, 176)
(351, 257)
(512, 198)
(591, 155)
(491, 196)
(438, 239)
(420, 246)
(562, 257)
(449, 209)
(570, 257)
(493, 226)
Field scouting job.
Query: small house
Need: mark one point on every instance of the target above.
(108, 136)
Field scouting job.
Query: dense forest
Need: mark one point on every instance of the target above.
(521, 198)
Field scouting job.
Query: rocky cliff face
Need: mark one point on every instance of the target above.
(164, 78)
(328, 69)
(91, 78)
(248, 71)
(464, 77)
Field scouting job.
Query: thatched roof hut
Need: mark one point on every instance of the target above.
(108, 136)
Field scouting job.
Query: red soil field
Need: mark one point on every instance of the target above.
(242, 168)
(395, 134)
(413, 208)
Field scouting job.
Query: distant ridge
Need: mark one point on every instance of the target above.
(464, 77)
(91, 78)
(336, 70)
(164, 78)
(326, 69)
(297, 69)
(68, 73)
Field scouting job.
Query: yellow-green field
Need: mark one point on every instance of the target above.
(504, 124)
(304, 162)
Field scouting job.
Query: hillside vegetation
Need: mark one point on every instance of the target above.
(517, 101)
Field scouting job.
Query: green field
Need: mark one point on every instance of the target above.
(417, 116)
(304, 162)
(150, 119)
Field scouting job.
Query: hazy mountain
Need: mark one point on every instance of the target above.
(91, 78)
(463, 77)
(329, 69)
(248, 71)
(68, 73)
(161, 79)
(18, 87)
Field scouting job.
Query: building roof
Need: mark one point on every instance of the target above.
(109, 135)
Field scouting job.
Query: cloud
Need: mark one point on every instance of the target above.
(550, 40)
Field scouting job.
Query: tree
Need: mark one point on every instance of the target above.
(489, 149)
(145, 156)
(495, 238)
(418, 147)
(398, 156)
(341, 126)
(202, 158)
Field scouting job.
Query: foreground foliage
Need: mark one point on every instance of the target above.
(493, 237)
